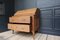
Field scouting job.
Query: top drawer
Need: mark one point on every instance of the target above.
(20, 19)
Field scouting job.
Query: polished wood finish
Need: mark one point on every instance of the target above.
(20, 18)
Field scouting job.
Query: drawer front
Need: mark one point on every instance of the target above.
(11, 26)
(19, 27)
(20, 19)
(23, 28)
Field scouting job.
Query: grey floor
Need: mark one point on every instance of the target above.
(26, 36)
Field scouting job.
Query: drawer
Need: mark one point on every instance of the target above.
(20, 19)
(19, 27)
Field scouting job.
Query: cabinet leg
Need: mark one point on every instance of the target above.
(33, 34)
(12, 31)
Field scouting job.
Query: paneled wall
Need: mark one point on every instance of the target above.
(49, 16)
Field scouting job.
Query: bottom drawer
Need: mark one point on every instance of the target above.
(19, 27)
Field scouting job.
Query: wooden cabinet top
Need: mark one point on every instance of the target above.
(27, 12)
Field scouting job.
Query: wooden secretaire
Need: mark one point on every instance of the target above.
(25, 21)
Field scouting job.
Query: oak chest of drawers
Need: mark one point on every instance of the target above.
(25, 21)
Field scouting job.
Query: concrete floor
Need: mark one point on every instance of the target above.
(26, 36)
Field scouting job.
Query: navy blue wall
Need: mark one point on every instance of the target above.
(23, 4)
(19, 5)
(8, 10)
(47, 3)
(30, 3)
